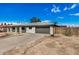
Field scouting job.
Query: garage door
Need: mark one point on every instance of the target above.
(45, 30)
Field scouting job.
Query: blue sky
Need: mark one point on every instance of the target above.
(63, 13)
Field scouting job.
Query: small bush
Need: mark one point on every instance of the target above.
(67, 32)
(76, 32)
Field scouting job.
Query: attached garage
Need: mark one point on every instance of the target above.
(42, 29)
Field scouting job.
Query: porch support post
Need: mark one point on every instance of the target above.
(10, 29)
(33, 28)
(27, 28)
(20, 29)
(7, 29)
(16, 29)
(51, 30)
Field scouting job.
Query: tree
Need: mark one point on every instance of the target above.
(4, 23)
(35, 19)
(55, 23)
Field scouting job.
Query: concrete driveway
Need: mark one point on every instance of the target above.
(12, 41)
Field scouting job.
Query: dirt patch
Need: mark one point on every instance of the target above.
(57, 46)
(60, 45)
(2, 34)
(52, 44)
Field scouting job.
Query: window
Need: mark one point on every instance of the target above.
(23, 28)
(13, 28)
(30, 27)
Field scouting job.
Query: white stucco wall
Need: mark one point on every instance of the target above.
(30, 30)
(8, 30)
(51, 30)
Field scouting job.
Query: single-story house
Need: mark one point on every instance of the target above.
(46, 28)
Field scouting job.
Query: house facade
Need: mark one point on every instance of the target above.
(46, 28)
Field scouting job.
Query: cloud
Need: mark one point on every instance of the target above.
(65, 8)
(61, 17)
(69, 8)
(73, 6)
(70, 25)
(45, 9)
(76, 14)
(46, 21)
(55, 9)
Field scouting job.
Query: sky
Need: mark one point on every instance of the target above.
(62, 13)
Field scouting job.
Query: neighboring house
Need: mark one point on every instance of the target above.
(46, 28)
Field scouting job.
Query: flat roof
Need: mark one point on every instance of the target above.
(29, 24)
